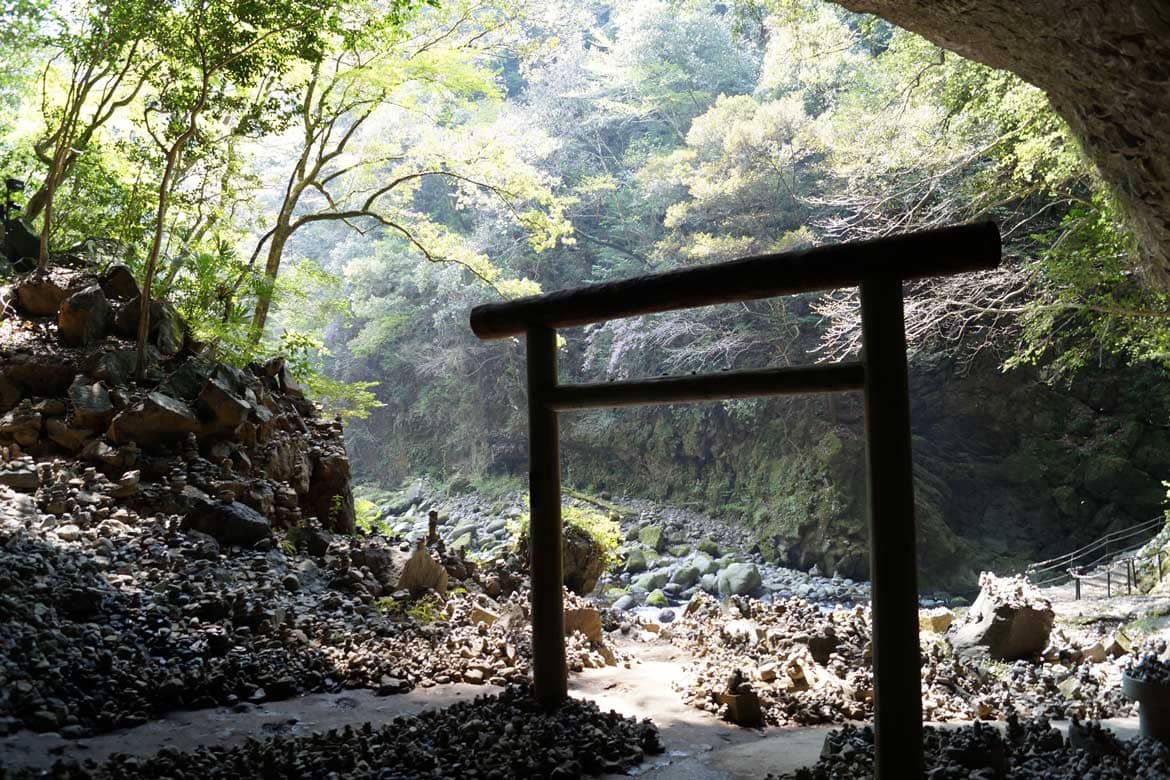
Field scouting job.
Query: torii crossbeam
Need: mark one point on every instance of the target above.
(878, 267)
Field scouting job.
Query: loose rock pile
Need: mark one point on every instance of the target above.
(493, 738)
(1030, 750)
(1151, 669)
(809, 666)
(117, 618)
(193, 431)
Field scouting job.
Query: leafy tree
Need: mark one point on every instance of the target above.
(212, 52)
(97, 50)
(360, 155)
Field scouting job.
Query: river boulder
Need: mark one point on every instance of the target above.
(739, 579)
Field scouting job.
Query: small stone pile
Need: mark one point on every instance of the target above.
(809, 666)
(1151, 669)
(1029, 750)
(493, 738)
(806, 666)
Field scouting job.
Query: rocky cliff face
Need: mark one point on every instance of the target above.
(1007, 468)
(195, 431)
(1105, 65)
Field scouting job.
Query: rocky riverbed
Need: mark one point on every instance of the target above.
(666, 555)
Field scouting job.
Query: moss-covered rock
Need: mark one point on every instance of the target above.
(653, 537)
(636, 561)
(686, 576)
(652, 580)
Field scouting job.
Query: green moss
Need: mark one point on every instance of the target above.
(652, 537)
(367, 518)
(600, 526)
(657, 599)
(428, 609)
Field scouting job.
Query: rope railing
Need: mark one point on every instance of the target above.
(1068, 559)
(1109, 552)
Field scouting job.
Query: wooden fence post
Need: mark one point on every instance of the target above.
(892, 559)
(546, 563)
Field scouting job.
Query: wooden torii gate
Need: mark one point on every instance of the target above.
(878, 267)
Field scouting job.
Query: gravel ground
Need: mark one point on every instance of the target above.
(1028, 750)
(493, 737)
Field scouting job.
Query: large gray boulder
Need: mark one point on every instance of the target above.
(583, 556)
(739, 579)
(85, 317)
(89, 405)
(584, 561)
(230, 522)
(155, 420)
(1009, 620)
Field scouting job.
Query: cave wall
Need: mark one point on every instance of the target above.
(1105, 65)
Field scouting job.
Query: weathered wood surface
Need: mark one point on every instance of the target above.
(550, 674)
(893, 562)
(710, 387)
(938, 252)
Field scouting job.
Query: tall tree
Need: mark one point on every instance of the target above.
(211, 53)
(97, 49)
(346, 171)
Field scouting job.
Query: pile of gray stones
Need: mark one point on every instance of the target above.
(1025, 750)
(498, 737)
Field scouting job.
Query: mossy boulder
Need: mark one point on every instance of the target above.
(653, 537)
(657, 599)
(686, 576)
(739, 579)
(708, 546)
(636, 561)
(652, 580)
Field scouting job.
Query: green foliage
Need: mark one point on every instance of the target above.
(597, 525)
(1091, 302)
(425, 610)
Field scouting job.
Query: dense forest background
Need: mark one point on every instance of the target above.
(342, 181)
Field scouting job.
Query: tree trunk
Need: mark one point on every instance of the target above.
(264, 299)
(37, 203)
(155, 249)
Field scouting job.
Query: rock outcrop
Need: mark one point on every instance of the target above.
(196, 430)
(1010, 620)
(1104, 64)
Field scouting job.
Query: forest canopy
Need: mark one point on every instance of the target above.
(343, 181)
